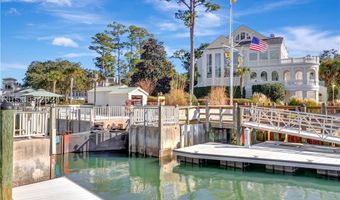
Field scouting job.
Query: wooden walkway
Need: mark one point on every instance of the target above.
(55, 189)
(267, 153)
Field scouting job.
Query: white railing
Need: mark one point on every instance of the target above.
(149, 116)
(280, 120)
(74, 113)
(28, 124)
(278, 62)
(111, 112)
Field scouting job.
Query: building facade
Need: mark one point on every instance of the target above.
(298, 75)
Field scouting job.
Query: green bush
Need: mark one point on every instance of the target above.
(300, 102)
(201, 92)
(275, 92)
(243, 101)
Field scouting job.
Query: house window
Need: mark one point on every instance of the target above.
(253, 56)
(311, 76)
(209, 65)
(298, 75)
(275, 76)
(218, 65)
(274, 55)
(264, 76)
(253, 76)
(264, 56)
(226, 66)
(237, 37)
(286, 75)
(243, 36)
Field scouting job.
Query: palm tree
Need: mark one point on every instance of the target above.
(242, 71)
(74, 73)
(54, 77)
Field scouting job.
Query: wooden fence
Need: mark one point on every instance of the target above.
(30, 123)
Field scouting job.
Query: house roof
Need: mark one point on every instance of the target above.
(41, 93)
(121, 89)
(9, 78)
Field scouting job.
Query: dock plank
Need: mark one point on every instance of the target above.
(55, 189)
(267, 154)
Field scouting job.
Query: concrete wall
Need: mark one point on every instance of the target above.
(157, 146)
(86, 141)
(31, 161)
(75, 126)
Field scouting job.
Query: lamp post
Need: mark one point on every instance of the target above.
(333, 87)
(95, 78)
(231, 44)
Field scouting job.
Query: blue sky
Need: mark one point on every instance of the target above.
(49, 29)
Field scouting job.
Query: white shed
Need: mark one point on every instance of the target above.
(117, 95)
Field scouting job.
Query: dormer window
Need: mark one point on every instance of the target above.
(243, 36)
(237, 37)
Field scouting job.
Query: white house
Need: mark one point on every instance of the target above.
(300, 76)
(118, 95)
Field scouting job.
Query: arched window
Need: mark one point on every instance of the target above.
(264, 76)
(311, 76)
(286, 75)
(298, 75)
(275, 76)
(253, 76)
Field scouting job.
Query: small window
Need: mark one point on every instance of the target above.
(298, 76)
(275, 76)
(253, 76)
(253, 56)
(218, 65)
(264, 56)
(264, 76)
(243, 36)
(209, 65)
(237, 37)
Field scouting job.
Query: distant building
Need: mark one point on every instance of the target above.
(118, 95)
(300, 76)
(10, 86)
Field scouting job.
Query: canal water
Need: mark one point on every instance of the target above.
(112, 175)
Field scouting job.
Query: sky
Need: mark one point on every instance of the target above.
(40, 30)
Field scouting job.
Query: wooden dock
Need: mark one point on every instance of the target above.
(276, 156)
(59, 188)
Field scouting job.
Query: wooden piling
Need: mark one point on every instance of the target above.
(6, 151)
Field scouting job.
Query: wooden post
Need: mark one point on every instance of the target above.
(52, 131)
(303, 109)
(221, 116)
(207, 116)
(160, 127)
(6, 150)
(323, 108)
(238, 123)
(187, 115)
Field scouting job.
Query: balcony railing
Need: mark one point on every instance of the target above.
(313, 60)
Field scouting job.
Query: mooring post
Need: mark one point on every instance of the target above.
(52, 131)
(247, 137)
(207, 116)
(324, 108)
(187, 115)
(238, 123)
(303, 109)
(160, 127)
(6, 150)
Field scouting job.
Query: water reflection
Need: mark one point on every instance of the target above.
(117, 176)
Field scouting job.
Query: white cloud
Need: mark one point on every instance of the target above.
(45, 2)
(268, 7)
(305, 40)
(78, 17)
(12, 66)
(64, 41)
(165, 5)
(13, 11)
(169, 26)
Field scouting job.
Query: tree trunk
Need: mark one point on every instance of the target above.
(241, 85)
(54, 86)
(71, 89)
(192, 51)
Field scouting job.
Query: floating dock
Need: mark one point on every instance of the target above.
(59, 188)
(276, 156)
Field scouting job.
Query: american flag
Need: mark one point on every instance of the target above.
(258, 45)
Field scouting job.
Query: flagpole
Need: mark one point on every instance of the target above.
(231, 43)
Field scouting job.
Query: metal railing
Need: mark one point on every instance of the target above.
(30, 123)
(280, 120)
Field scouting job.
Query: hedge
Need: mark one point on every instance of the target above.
(201, 92)
(275, 92)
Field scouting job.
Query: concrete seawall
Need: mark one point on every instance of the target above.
(31, 161)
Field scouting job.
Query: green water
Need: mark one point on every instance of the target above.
(117, 176)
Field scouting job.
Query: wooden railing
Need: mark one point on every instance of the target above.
(30, 123)
(150, 115)
(111, 112)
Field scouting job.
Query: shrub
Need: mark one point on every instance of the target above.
(217, 96)
(275, 92)
(243, 101)
(179, 97)
(260, 99)
(201, 92)
(294, 101)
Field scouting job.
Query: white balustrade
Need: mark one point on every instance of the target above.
(31, 123)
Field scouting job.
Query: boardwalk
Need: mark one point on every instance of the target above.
(268, 153)
(60, 188)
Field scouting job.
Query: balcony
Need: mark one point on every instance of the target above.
(286, 61)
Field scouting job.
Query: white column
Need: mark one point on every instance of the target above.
(247, 137)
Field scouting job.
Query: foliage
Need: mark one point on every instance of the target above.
(275, 92)
(188, 15)
(105, 62)
(329, 55)
(43, 75)
(260, 99)
(243, 101)
(147, 85)
(178, 97)
(179, 81)
(242, 71)
(184, 56)
(300, 102)
(201, 92)
(154, 66)
(217, 96)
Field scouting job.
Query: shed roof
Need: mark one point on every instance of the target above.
(41, 93)
(120, 89)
